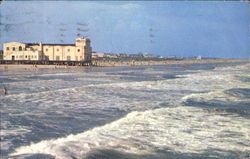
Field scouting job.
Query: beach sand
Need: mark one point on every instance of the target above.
(111, 63)
(183, 63)
(33, 67)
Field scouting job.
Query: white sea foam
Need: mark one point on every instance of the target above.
(5, 145)
(20, 130)
(219, 82)
(182, 129)
(235, 67)
(8, 129)
(204, 80)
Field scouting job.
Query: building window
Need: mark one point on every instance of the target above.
(13, 48)
(26, 56)
(20, 48)
(32, 56)
(35, 56)
(68, 50)
(57, 58)
(78, 50)
(57, 50)
(7, 48)
(68, 58)
(47, 50)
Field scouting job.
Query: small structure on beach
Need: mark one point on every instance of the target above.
(80, 51)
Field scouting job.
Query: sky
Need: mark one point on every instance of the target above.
(163, 28)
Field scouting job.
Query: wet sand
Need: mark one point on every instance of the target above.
(33, 67)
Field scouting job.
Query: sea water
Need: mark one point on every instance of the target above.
(155, 112)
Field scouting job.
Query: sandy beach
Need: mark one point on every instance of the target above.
(33, 67)
(165, 62)
(111, 63)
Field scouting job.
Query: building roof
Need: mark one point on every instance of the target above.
(61, 44)
(51, 44)
(31, 43)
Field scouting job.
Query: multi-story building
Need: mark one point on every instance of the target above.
(80, 51)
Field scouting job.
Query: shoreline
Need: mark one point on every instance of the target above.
(111, 63)
(34, 67)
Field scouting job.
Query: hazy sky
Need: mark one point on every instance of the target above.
(211, 29)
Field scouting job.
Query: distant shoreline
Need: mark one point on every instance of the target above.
(112, 63)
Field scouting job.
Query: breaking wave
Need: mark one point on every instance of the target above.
(182, 130)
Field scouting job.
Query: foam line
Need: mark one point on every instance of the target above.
(182, 129)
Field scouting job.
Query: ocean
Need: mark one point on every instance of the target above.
(200, 111)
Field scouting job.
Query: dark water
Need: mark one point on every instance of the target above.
(127, 112)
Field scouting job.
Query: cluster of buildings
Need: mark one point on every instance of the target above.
(80, 51)
(138, 57)
(96, 55)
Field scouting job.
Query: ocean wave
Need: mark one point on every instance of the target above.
(233, 100)
(239, 92)
(243, 66)
(180, 130)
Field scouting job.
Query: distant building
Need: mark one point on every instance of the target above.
(80, 51)
(123, 55)
(198, 57)
(110, 55)
(146, 55)
(97, 55)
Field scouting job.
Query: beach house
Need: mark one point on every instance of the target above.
(80, 51)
